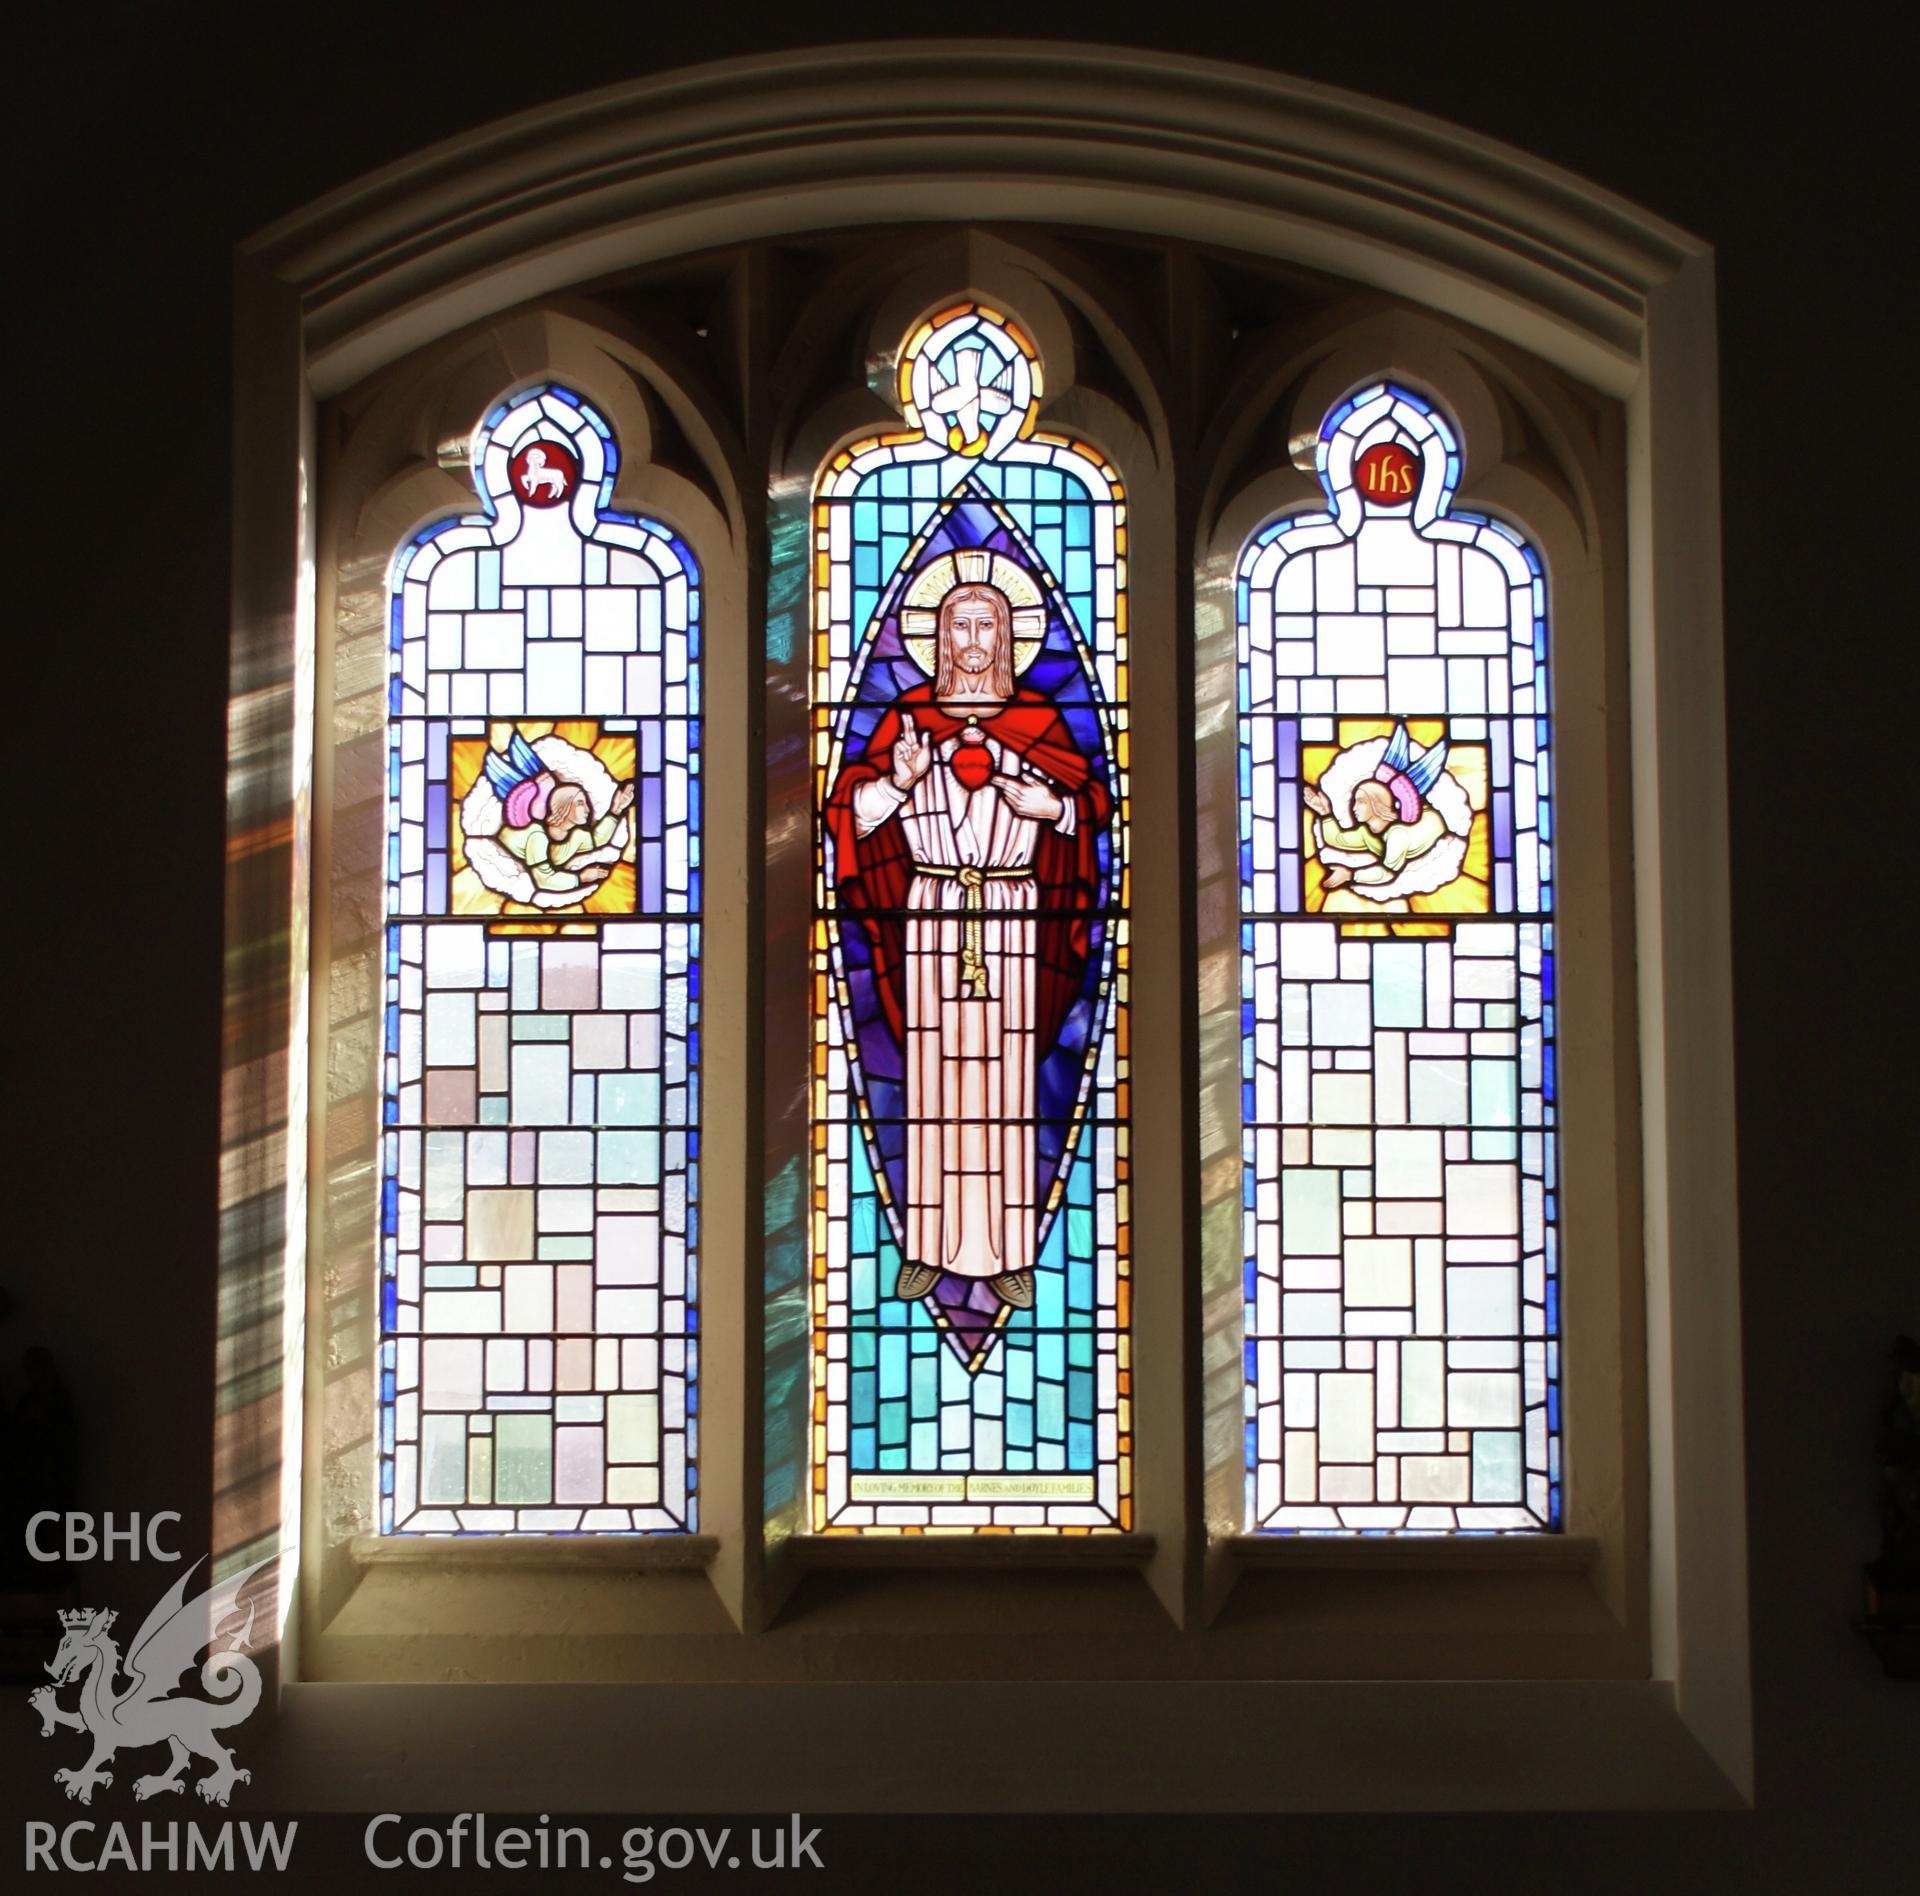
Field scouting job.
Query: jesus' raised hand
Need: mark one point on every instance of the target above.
(912, 754)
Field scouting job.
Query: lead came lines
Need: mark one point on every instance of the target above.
(539, 1214)
(1398, 1080)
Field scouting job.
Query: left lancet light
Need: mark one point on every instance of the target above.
(540, 1062)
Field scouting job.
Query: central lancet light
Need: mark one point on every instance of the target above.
(972, 1368)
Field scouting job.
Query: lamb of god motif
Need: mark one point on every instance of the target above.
(964, 837)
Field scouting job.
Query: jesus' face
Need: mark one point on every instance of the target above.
(975, 651)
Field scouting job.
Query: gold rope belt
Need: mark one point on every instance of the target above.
(973, 940)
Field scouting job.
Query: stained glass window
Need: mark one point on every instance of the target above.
(1397, 1001)
(969, 960)
(541, 1036)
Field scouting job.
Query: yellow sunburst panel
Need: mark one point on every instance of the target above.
(464, 765)
(614, 896)
(1314, 897)
(1357, 931)
(1466, 763)
(617, 750)
(1469, 893)
(1357, 915)
(1423, 731)
(618, 894)
(1314, 758)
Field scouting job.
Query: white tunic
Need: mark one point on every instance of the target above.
(970, 1052)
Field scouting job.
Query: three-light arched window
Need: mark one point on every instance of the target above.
(969, 1157)
(1159, 1175)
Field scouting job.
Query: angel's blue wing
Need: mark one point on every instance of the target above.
(520, 762)
(178, 1630)
(1399, 749)
(1424, 772)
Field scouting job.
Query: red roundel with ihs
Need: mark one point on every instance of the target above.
(543, 474)
(1387, 474)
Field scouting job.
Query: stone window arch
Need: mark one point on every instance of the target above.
(730, 302)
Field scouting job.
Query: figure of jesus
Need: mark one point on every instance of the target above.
(964, 838)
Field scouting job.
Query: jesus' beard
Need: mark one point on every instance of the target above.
(994, 684)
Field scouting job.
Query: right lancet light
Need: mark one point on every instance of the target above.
(1397, 1002)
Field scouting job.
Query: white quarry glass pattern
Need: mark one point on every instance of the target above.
(541, 1043)
(1397, 990)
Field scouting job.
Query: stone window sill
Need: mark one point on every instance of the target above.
(498, 1553)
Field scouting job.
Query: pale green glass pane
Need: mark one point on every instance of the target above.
(1310, 1212)
(1496, 1465)
(524, 1460)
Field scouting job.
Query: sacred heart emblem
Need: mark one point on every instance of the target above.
(972, 762)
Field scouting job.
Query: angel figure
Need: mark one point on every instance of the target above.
(1408, 819)
(546, 823)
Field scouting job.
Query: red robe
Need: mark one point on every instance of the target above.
(872, 872)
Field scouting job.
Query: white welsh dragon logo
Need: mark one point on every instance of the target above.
(142, 1712)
